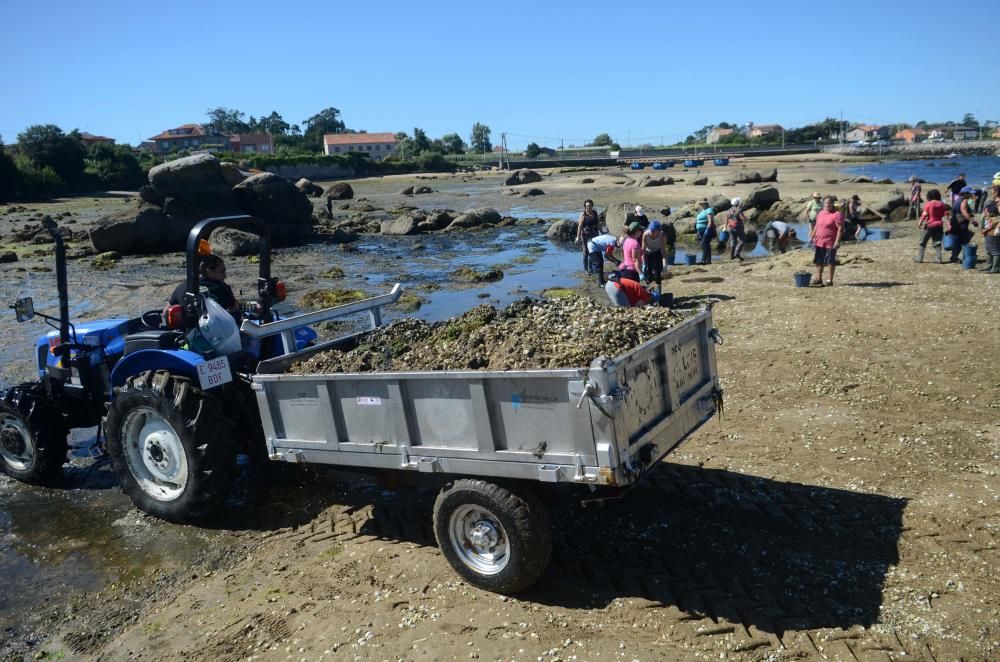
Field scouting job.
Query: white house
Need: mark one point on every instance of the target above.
(715, 134)
(376, 145)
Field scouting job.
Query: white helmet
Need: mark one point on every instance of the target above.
(638, 210)
(735, 202)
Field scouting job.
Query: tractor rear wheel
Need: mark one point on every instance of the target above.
(32, 438)
(171, 446)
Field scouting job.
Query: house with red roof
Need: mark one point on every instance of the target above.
(90, 139)
(189, 136)
(376, 145)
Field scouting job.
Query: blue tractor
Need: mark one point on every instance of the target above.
(170, 389)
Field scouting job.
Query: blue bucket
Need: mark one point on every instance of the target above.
(721, 162)
(948, 242)
(802, 278)
(690, 259)
(671, 259)
(969, 250)
(969, 257)
(723, 236)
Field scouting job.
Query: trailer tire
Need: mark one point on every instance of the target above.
(171, 446)
(495, 538)
(32, 438)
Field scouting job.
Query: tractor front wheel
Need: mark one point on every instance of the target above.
(171, 446)
(32, 438)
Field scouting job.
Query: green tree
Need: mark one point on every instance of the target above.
(453, 143)
(46, 145)
(532, 150)
(602, 140)
(323, 122)
(274, 124)
(9, 176)
(970, 121)
(226, 120)
(420, 140)
(116, 167)
(480, 139)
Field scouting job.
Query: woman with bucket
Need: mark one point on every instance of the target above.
(705, 228)
(587, 227)
(826, 236)
(932, 223)
(736, 224)
(961, 218)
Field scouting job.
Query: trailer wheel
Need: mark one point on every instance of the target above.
(171, 446)
(495, 538)
(32, 439)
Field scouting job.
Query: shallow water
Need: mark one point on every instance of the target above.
(979, 170)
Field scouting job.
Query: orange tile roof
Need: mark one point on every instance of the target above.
(195, 130)
(358, 138)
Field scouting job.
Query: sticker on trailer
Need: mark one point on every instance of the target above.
(214, 372)
(367, 401)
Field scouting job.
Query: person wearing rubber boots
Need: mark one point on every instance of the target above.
(654, 256)
(599, 249)
(932, 223)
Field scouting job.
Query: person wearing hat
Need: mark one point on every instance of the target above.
(600, 248)
(813, 208)
(653, 254)
(639, 216)
(736, 224)
(955, 187)
(961, 218)
(631, 265)
(915, 198)
(704, 226)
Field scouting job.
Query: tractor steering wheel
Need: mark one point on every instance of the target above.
(152, 319)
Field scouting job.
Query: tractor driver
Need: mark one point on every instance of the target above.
(213, 283)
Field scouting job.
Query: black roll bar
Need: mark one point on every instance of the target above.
(60, 248)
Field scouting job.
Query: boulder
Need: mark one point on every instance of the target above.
(201, 172)
(656, 181)
(310, 189)
(562, 230)
(438, 219)
(587, 180)
(699, 181)
(780, 211)
(753, 177)
(340, 191)
(232, 173)
(198, 204)
(685, 225)
(227, 241)
(613, 217)
(8, 256)
(422, 190)
(407, 191)
(149, 194)
(276, 200)
(889, 200)
(146, 230)
(523, 176)
(762, 197)
(475, 218)
(401, 226)
(531, 192)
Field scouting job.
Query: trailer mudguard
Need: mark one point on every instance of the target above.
(176, 361)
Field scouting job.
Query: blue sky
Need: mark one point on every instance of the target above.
(544, 71)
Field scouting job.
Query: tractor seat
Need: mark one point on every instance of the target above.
(153, 339)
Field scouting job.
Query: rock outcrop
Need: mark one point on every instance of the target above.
(340, 191)
(523, 176)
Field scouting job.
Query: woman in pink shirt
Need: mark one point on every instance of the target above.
(632, 250)
(825, 235)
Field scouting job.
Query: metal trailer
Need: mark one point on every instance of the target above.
(494, 439)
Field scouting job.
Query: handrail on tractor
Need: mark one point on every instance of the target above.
(372, 305)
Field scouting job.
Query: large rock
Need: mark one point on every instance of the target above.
(310, 189)
(228, 241)
(762, 197)
(889, 200)
(474, 218)
(277, 201)
(401, 226)
(532, 192)
(149, 194)
(232, 173)
(753, 177)
(656, 181)
(201, 172)
(562, 230)
(720, 204)
(523, 176)
(699, 181)
(147, 230)
(340, 191)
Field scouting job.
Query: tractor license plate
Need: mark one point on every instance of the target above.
(214, 373)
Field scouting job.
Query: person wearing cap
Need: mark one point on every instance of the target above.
(587, 227)
(813, 208)
(961, 218)
(915, 199)
(600, 248)
(736, 224)
(825, 235)
(704, 226)
(640, 217)
(653, 254)
(932, 223)
(626, 292)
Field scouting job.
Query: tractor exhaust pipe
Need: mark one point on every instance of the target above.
(53, 230)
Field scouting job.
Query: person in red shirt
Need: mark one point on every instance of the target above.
(932, 223)
(626, 292)
(825, 235)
